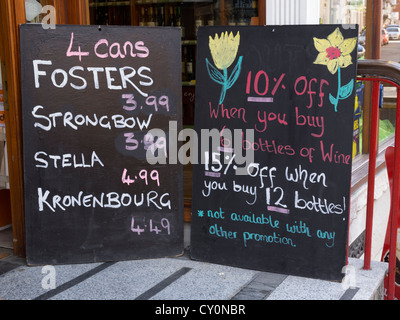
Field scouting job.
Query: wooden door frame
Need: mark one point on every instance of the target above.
(12, 14)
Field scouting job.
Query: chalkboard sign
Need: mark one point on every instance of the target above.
(97, 106)
(274, 113)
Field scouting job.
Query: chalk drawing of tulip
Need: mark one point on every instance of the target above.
(335, 53)
(224, 50)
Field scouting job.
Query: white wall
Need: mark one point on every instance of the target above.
(286, 12)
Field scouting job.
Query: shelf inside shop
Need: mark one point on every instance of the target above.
(109, 4)
(96, 4)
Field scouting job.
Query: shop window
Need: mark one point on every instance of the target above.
(110, 12)
(189, 16)
(386, 133)
(353, 13)
(387, 117)
(186, 14)
(34, 10)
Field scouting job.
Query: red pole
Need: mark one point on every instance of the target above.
(394, 206)
(371, 173)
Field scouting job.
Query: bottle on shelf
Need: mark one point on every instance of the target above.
(160, 16)
(152, 19)
(171, 18)
(255, 4)
(106, 17)
(242, 20)
(142, 17)
(232, 20)
(184, 55)
(198, 22)
(189, 65)
(111, 13)
(179, 22)
(211, 19)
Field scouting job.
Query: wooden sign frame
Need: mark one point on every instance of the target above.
(289, 91)
(91, 97)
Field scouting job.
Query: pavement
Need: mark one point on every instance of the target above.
(180, 279)
(391, 52)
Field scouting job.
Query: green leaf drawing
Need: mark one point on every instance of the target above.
(214, 73)
(235, 74)
(347, 90)
(333, 100)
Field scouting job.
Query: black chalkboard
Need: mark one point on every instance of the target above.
(286, 209)
(99, 185)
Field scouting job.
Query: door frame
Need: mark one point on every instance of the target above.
(12, 14)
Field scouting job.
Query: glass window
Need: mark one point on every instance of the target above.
(343, 11)
(36, 10)
(110, 12)
(387, 116)
(354, 12)
(187, 14)
(387, 113)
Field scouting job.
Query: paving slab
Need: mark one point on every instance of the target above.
(359, 284)
(177, 279)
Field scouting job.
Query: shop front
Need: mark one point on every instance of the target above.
(188, 15)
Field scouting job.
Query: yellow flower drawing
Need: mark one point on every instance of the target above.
(224, 49)
(334, 52)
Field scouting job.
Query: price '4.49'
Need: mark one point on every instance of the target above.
(152, 227)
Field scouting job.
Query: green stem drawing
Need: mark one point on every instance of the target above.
(339, 84)
(224, 87)
(224, 79)
(343, 91)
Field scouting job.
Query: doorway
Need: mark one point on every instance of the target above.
(6, 244)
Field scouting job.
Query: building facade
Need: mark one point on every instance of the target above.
(189, 16)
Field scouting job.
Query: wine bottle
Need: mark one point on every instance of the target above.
(184, 55)
(172, 20)
(142, 17)
(179, 22)
(152, 20)
(189, 66)
(160, 16)
(198, 22)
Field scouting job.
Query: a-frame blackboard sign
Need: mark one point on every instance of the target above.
(91, 97)
(272, 193)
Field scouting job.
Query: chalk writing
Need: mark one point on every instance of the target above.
(151, 227)
(300, 174)
(92, 100)
(143, 175)
(303, 86)
(114, 200)
(227, 112)
(68, 160)
(54, 120)
(281, 236)
(100, 77)
(263, 77)
(288, 211)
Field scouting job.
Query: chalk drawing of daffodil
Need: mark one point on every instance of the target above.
(224, 50)
(335, 53)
